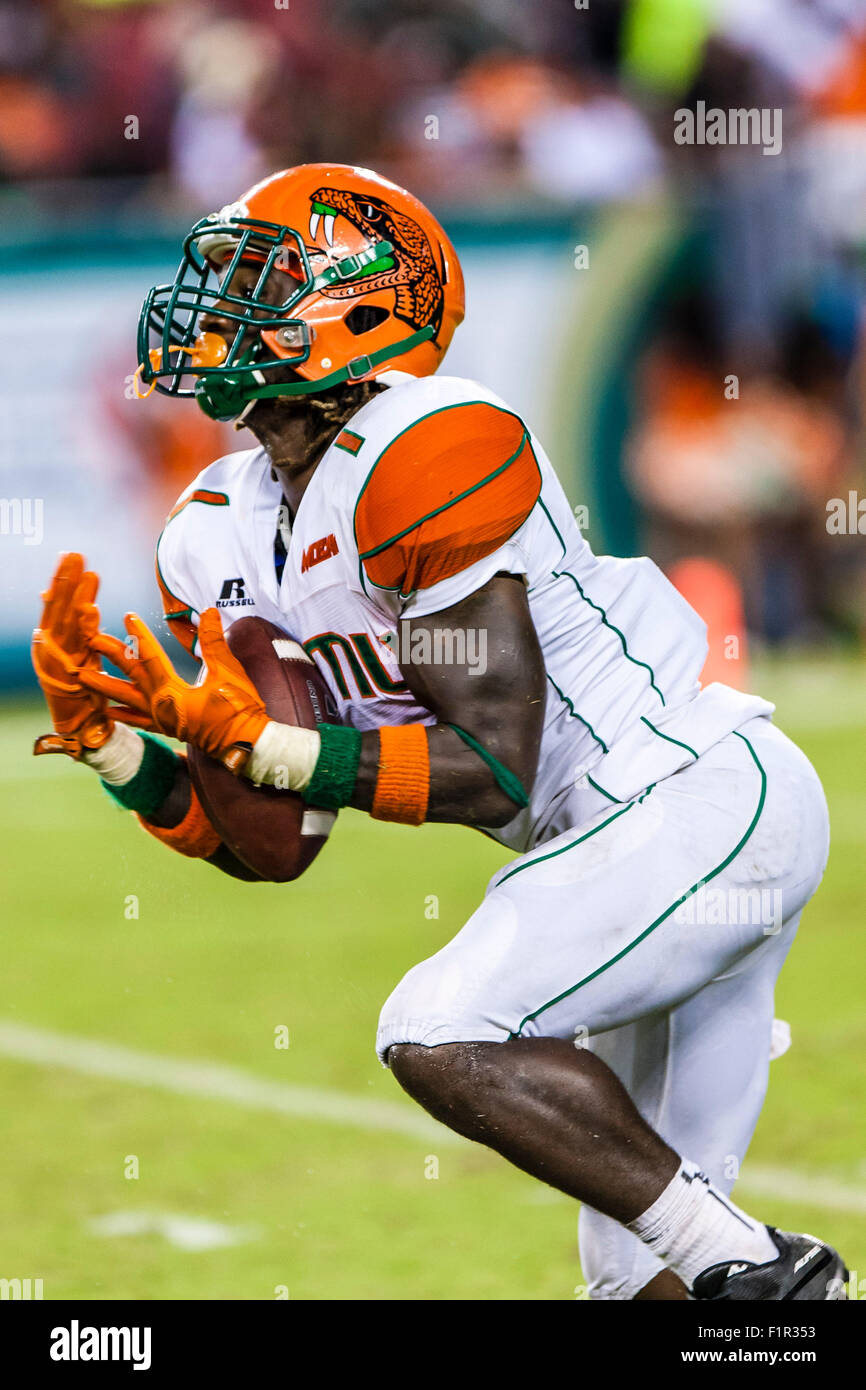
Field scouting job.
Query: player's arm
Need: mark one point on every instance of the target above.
(170, 821)
(498, 700)
(437, 524)
(475, 766)
(437, 521)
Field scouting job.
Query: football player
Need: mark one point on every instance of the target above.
(593, 1021)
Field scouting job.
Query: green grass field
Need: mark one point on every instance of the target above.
(334, 1203)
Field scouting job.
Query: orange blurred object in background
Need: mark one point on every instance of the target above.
(714, 593)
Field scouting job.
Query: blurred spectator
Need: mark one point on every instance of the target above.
(213, 154)
(740, 471)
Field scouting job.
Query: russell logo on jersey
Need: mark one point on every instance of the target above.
(233, 595)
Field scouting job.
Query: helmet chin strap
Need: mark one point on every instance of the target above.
(229, 397)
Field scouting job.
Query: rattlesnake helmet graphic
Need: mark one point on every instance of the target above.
(415, 276)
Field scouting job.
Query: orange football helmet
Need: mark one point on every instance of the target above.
(354, 278)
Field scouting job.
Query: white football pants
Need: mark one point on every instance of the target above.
(653, 934)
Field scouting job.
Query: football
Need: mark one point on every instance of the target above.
(271, 830)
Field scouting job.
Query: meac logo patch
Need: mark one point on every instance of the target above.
(320, 550)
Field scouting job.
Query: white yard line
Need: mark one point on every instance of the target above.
(787, 1185)
(214, 1081)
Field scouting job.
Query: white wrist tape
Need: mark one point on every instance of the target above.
(284, 756)
(119, 758)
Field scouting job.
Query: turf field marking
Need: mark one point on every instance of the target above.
(184, 1232)
(787, 1185)
(215, 1081)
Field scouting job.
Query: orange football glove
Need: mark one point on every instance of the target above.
(222, 715)
(60, 651)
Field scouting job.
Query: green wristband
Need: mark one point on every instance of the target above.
(150, 786)
(336, 772)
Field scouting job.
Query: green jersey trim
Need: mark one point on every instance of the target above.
(668, 738)
(558, 574)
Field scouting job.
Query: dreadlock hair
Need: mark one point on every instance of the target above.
(333, 408)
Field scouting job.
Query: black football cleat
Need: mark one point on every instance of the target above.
(807, 1271)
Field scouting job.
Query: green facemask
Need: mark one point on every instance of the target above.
(169, 324)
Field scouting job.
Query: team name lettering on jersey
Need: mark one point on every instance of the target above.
(357, 652)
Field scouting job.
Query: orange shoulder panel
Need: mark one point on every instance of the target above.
(445, 493)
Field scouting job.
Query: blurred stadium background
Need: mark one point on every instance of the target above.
(682, 325)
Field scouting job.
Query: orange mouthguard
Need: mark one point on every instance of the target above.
(208, 350)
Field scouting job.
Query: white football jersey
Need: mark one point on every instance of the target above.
(432, 488)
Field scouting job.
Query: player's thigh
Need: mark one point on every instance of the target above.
(677, 891)
(552, 926)
(588, 933)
